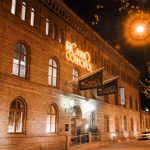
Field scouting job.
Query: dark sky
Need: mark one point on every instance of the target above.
(111, 27)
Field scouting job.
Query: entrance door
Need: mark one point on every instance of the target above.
(75, 116)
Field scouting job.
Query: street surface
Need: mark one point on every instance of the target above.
(137, 145)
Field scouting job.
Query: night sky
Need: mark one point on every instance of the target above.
(110, 26)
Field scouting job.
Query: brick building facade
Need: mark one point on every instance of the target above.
(40, 101)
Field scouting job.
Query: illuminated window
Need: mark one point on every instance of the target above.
(125, 123)
(131, 124)
(47, 27)
(32, 17)
(16, 116)
(51, 120)
(13, 7)
(23, 11)
(52, 73)
(75, 74)
(106, 123)
(20, 61)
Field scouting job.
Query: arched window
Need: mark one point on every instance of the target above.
(17, 116)
(75, 74)
(132, 127)
(125, 123)
(32, 17)
(47, 27)
(52, 119)
(13, 7)
(52, 72)
(20, 61)
(23, 11)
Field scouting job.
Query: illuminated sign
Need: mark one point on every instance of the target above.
(77, 56)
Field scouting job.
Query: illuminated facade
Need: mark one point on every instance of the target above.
(44, 48)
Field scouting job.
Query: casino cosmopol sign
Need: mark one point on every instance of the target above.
(77, 56)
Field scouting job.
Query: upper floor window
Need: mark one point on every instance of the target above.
(17, 116)
(130, 102)
(52, 119)
(47, 27)
(52, 72)
(125, 123)
(20, 61)
(75, 74)
(32, 17)
(106, 123)
(13, 7)
(132, 124)
(23, 11)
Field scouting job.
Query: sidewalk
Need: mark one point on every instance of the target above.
(94, 145)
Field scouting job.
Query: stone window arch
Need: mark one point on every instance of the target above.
(52, 119)
(17, 116)
(21, 60)
(53, 72)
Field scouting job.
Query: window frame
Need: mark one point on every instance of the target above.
(13, 7)
(57, 72)
(49, 116)
(32, 17)
(23, 11)
(24, 115)
(20, 44)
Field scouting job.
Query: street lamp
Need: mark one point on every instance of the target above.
(137, 29)
(140, 29)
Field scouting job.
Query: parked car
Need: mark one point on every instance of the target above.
(144, 136)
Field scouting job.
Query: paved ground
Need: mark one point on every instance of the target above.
(125, 145)
(137, 145)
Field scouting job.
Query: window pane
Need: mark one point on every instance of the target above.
(32, 17)
(23, 50)
(23, 12)
(23, 60)
(54, 72)
(53, 110)
(53, 128)
(11, 126)
(54, 64)
(16, 55)
(50, 71)
(13, 7)
(47, 128)
(22, 71)
(49, 80)
(54, 82)
(53, 119)
(19, 121)
(15, 69)
(47, 27)
(50, 62)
